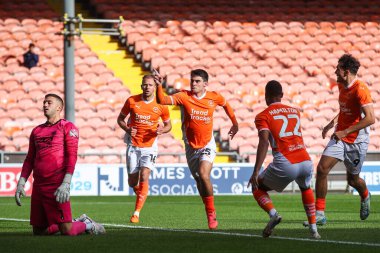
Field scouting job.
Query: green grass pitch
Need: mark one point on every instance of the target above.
(178, 224)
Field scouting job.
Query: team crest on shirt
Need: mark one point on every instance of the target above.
(155, 109)
(210, 102)
(74, 133)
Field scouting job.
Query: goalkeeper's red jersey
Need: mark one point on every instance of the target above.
(52, 153)
(283, 123)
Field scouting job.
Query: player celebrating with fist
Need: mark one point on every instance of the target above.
(52, 156)
(142, 132)
(198, 106)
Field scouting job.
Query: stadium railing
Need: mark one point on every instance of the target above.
(18, 157)
(336, 179)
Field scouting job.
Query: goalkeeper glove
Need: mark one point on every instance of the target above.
(20, 190)
(62, 194)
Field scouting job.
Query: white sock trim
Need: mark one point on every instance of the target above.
(272, 212)
(320, 213)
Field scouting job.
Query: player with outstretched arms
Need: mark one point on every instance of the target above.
(280, 126)
(52, 155)
(350, 140)
(198, 107)
(142, 130)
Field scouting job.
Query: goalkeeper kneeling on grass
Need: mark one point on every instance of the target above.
(52, 155)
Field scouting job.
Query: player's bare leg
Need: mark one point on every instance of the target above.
(141, 193)
(326, 163)
(207, 193)
(204, 179)
(133, 181)
(359, 184)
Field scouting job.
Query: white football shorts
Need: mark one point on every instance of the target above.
(140, 157)
(353, 155)
(195, 156)
(281, 172)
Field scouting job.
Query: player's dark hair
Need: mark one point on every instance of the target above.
(200, 72)
(273, 89)
(31, 45)
(350, 63)
(147, 77)
(56, 97)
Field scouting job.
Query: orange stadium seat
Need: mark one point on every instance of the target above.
(241, 48)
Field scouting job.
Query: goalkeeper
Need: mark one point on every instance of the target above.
(52, 155)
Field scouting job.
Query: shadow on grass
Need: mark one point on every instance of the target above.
(154, 240)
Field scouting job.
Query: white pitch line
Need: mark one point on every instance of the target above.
(110, 203)
(13, 219)
(243, 235)
(224, 233)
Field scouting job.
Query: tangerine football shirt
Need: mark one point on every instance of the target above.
(283, 123)
(351, 101)
(198, 115)
(144, 116)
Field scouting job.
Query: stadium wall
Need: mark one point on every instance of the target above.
(168, 179)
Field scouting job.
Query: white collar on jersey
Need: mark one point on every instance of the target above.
(147, 101)
(202, 96)
(352, 83)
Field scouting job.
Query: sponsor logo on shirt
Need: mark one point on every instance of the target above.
(344, 108)
(296, 147)
(144, 119)
(155, 109)
(200, 115)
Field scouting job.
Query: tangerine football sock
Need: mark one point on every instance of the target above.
(309, 205)
(365, 194)
(209, 204)
(320, 204)
(141, 197)
(77, 228)
(264, 201)
(52, 229)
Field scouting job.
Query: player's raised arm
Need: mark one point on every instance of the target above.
(230, 113)
(161, 98)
